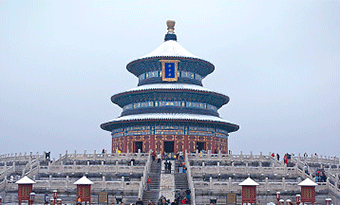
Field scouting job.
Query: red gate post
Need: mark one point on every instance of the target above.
(307, 191)
(32, 198)
(248, 191)
(55, 195)
(298, 199)
(25, 187)
(84, 189)
(278, 197)
(328, 201)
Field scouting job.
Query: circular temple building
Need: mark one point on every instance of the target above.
(170, 110)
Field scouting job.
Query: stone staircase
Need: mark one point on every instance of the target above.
(181, 183)
(153, 193)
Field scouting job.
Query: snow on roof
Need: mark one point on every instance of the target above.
(83, 181)
(178, 116)
(170, 48)
(248, 182)
(307, 182)
(25, 180)
(170, 86)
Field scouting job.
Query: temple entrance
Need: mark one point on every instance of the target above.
(169, 146)
(137, 146)
(200, 146)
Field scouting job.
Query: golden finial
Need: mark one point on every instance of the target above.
(171, 26)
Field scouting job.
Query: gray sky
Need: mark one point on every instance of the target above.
(278, 61)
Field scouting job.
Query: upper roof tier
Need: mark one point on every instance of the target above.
(148, 65)
(170, 48)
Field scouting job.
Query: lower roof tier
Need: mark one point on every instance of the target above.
(152, 118)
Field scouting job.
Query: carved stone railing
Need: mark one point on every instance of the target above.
(63, 185)
(19, 157)
(233, 186)
(103, 156)
(7, 172)
(220, 170)
(144, 178)
(251, 157)
(317, 159)
(190, 180)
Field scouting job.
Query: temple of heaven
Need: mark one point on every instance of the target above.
(170, 111)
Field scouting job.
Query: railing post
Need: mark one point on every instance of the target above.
(283, 184)
(230, 184)
(211, 185)
(67, 181)
(84, 154)
(122, 183)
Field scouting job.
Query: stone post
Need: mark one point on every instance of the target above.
(67, 181)
(211, 185)
(103, 183)
(49, 181)
(283, 184)
(230, 184)
(122, 183)
(84, 155)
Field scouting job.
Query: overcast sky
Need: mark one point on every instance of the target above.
(278, 61)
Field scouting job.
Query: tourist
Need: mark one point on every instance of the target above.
(169, 167)
(153, 155)
(139, 202)
(47, 199)
(148, 183)
(166, 166)
(180, 168)
(184, 201)
(159, 156)
(305, 168)
(305, 155)
(162, 200)
(273, 155)
(181, 155)
(277, 156)
(323, 177)
(78, 200)
(188, 192)
(174, 202)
